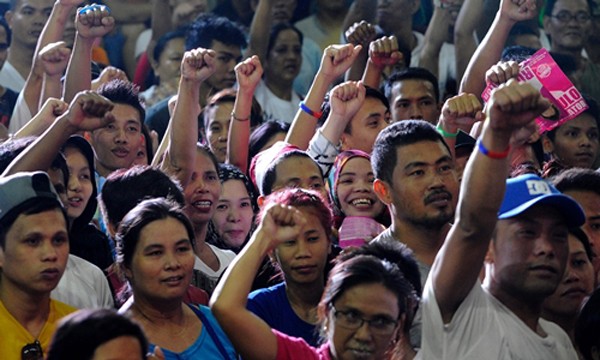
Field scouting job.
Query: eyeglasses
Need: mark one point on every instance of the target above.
(353, 320)
(566, 17)
(32, 351)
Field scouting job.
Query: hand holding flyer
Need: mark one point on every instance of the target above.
(542, 72)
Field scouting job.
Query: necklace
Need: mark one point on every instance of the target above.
(151, 322)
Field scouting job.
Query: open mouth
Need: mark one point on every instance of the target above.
(362, 203)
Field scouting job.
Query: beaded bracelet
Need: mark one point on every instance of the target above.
(306, 109)
(492, 154)
(444, 132)
(237, 118)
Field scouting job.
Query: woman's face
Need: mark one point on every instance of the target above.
(162, 262)
(234, 215)
(576, 285)
(217, 129)
(79, 188)
(367, 301)
(285, 57)
(355, 189)
(202, 191)
(576, 142)
(303, 259)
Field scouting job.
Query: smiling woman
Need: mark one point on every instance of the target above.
(155, 253)
(360, 313)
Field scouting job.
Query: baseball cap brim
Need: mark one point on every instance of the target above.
(567, 207)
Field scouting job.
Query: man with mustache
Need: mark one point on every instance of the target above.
(415, 178)
(518, 229)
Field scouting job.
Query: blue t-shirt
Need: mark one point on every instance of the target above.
(204, 347)
(272, 305)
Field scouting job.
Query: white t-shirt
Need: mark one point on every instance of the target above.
(10, 77)
(273, 107)
(225, 258)
(21, 115)
(483, 328)
(83, 285)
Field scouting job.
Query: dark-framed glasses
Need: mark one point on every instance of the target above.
(353, 320)
(566, 17)
(32, 351)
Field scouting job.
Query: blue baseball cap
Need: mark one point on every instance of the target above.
(526, 191)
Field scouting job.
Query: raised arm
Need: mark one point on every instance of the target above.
(248, 74)
(92, 22)
(511, 111)
(345, 101)
(383, 53)
(196, 66)
(54, 58)
(43, 119)
(490, 49)
(53, 32)
(459, 113)
(250, 335)
(87, 112)
(360, 33)
(259, 30)
(435, 36)
(335, 61)
(465, 41)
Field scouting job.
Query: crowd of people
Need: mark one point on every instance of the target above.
(279, 179)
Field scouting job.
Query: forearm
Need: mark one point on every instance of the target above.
(486, 55)
(358, 68)
(434, 39)
(464, 34)
(372, 75)
(51, 87)
(259, 30)
(239, 131)
(304, 125)
(40, 154)
(79, 74)
(184, 128)
(250, 335)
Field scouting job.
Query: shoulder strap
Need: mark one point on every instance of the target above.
(211, 331)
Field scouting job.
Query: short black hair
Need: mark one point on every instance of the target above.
(370, 92)
(593, 110)
(4, 24)
(277, 29)
(412, 73)
(549, 7)
(79, 334)
(30, 207)
(123, 92)
(577, 179)
(401, 133)
(209, 27)
(125, 188)
(263, 133)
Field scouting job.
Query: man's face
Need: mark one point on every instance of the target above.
(226, 59)
(35, 252)
(529, 254)
(414, 99)
(217, 129)
(367, 123)
(590, 202)
(572, 34)
(299, 172)
(27, 21)
(425, 186)
(576, 142)
(117, 143)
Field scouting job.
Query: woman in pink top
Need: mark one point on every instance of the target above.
(361, 312)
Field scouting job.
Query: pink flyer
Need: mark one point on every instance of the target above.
(542, 72)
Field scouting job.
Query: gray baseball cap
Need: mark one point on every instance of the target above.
(17, 189)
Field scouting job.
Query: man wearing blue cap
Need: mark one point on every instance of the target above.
(528, 221)
(34, 247)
